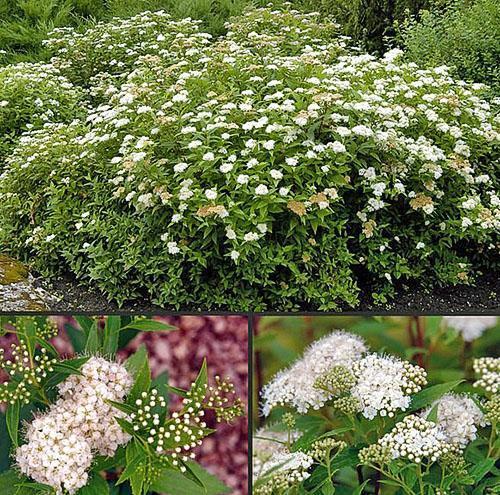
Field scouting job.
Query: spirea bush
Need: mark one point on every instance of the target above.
(32, 95)
(71, 420)
(345, 420)
(275, 167)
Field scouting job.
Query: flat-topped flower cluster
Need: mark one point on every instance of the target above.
(338, 366)
(378, 413)
(256, 170)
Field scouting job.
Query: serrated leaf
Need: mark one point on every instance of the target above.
(202, 378)
(125, 426)
(12, 419)
(66, 368)
(121, 407)
(130, 469)
(102, 463)
(30, 487)
(136, 479)
(178, 391)
(359, 489)
(85, 323)
(429, 395)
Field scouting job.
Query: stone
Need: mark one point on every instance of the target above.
(17, 288)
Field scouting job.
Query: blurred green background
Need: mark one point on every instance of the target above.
(280, 340)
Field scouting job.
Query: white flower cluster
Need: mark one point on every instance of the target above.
(415, 439)
(295, 386)
(470, 327)
(285, 470)
(266, 442)
(459, 417)
(55, 456)
(384, 384)
(61, 442)
(295, 463)
(32, 94)
(488, 370)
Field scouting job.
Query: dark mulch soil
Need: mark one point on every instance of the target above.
(483, 297)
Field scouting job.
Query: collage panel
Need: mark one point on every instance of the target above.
(265, 163)
(391, 405)
(249, 247)
(123, 405)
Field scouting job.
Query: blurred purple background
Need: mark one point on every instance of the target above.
(223, 341)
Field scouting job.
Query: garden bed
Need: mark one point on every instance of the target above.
(484, 296)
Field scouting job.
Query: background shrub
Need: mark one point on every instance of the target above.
(369, 22)
(24, 24)
(462, 34)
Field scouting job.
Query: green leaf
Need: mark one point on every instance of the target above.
(359, 489)
(345, 458)
(126, 426)
(480, 470)
(12, 418)
(111, 334)
(85, 323)
(137, 478)
(103, 463)
(29, 486)
(433, 414)
(96, 486)
(150, 326)
(92, 345)
(122, 407)
(8, 481)
(142, 381)
(77, 337)
(47, 345)
(327, 488)
(130, 469)
(202, 378)
(66, 368)
(177, 391)
(174, 482)
(135, 362)
(429, 395)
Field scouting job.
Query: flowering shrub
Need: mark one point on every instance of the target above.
(90, 414)
(32, 95)
(273, 167)
(375, 421)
